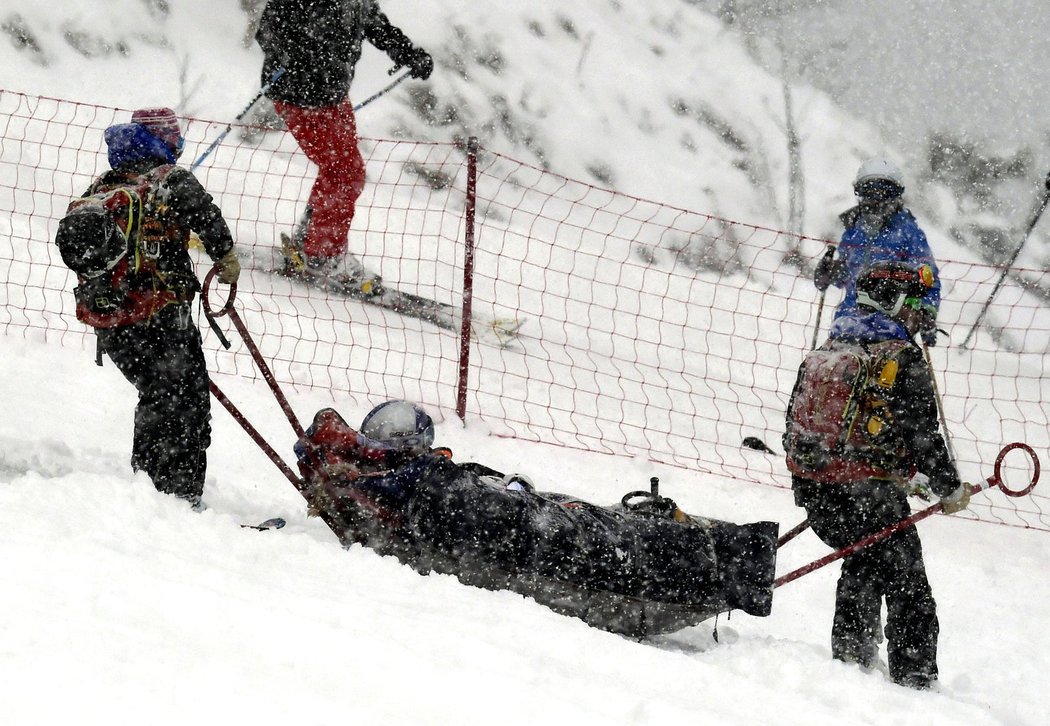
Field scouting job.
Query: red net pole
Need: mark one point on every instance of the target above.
(468, 276)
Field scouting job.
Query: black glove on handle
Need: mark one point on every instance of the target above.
(826, 270)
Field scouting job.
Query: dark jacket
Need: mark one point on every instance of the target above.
(912, 406)
(318, 43)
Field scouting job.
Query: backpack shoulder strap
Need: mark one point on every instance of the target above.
(884, 362)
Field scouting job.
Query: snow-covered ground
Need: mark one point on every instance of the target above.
(120, 605)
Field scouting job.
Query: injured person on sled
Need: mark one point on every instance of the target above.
(638, 568)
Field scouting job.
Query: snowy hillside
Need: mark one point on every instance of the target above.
(122, 606)
(654, 99)
(657, 100)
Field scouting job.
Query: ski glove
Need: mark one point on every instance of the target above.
(229, 267)
(827, 270)
(917, 486)
(957, 500)
(420, 63)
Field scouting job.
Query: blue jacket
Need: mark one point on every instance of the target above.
(899, 240)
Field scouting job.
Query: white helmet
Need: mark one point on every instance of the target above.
(399, 425)
(879, 169)
(878, 179)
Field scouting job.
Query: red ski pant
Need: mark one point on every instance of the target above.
(328, 137)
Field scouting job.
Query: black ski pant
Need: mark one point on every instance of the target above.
(163, 359)
(841, 514)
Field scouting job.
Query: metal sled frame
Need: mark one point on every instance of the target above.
(227, 310)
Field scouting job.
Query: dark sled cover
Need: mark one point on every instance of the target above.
(628, 572)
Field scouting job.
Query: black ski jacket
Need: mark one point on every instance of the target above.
(318, 43)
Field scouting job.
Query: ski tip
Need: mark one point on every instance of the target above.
(753, 442)
(503, 331)
(509, 325)
(272, 523)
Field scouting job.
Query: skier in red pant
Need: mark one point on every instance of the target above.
(317, 43)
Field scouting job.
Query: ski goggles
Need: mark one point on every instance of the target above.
(887, 307)
(893, 307)
(878, 189)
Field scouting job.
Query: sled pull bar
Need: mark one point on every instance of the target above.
(257, 437)
(792, 533)
(253, 433)
(996, 480)
(227, 309)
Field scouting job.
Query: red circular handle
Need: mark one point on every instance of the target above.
(205, 293)
(997, 477)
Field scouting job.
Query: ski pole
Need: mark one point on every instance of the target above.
(816, 328)
(995, 480)
(273, 79)
(940, 404)
(1013, 258)
(381, 92)
(820, 307)
(229, 127)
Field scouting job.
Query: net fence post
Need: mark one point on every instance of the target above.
(468, 277)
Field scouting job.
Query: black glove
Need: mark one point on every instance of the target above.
(420, 63)
(927, 328)
(827, 270)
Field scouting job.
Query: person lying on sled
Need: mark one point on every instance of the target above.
(629, 569)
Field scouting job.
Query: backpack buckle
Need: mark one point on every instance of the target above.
(184, 314)
(151, 247)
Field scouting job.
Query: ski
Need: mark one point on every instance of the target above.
(273, 523)
(499, 330)
(753, 442)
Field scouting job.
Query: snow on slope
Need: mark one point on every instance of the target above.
(122, 606)
(657, 99)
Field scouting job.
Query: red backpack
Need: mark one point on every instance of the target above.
(111, 238)
(839, 425)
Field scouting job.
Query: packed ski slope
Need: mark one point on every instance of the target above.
(120, 605)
